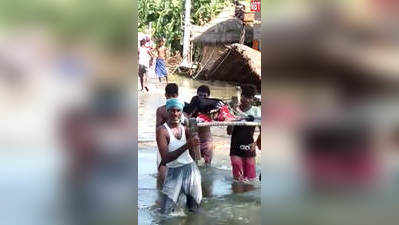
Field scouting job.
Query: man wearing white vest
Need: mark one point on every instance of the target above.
(176, 147)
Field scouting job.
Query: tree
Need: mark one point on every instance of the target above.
(167, 17)
(107, 23)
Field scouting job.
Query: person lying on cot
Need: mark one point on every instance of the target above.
(208, 109)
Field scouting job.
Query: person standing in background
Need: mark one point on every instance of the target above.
(144, 63)
(160, 66)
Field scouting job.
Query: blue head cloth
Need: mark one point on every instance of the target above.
(174, 103)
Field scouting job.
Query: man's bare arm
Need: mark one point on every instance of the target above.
(150, 53)
(158, 118)
(188, 138)
(163, 147)
(192, 141)
(166, 52)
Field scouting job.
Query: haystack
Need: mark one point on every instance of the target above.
(238, 64)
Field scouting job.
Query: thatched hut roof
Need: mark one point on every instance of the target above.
(356, 56)
(331, 42)
(228, 31)
(223, 29)
(239, 64)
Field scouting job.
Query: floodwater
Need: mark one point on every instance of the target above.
(224, 202)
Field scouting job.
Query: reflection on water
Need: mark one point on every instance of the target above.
(224, 202)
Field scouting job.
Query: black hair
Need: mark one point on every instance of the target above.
(142, 42)
(205, 89)
(248, 90)
(171, 89)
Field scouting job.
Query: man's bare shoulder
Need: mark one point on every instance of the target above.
(161, 129)
(161, 109)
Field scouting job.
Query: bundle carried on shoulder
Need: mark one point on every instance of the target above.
(209, 109)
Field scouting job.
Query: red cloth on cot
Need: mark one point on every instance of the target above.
(223, 115)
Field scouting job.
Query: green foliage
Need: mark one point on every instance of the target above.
(166, 19)
(167, 16)
(105, 22)
(204, 10)
(108, 22)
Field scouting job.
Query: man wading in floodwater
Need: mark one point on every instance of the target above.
(204, 133)
(183, 176)
(171, 91)
(242, 147)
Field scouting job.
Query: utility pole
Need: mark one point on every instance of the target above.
(150, 28)
(186, 37)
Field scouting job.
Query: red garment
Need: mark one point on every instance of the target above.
(338, 169)
(243, 168)
(223, 115)
(203, 118)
